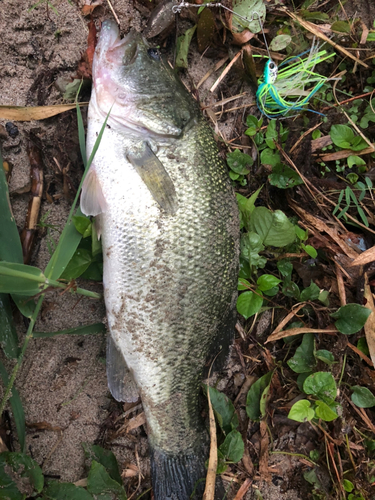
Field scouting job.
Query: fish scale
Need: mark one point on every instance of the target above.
(170, 271)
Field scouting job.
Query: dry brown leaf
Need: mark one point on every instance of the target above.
(286, 320)
(263, 456)
(370, 323)
(364, 258)
(344, 153)
(297, 331)
(26, 114)
(320, 143)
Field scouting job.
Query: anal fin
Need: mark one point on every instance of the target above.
(152, 172)
(120, 380)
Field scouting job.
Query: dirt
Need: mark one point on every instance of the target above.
(62, 382)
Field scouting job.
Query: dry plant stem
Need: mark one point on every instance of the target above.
(304, 135)
(361, 355)
(209, 491)
(113, 12)
(244, 489)
(29, 335)
(226, 70)
(340, 285)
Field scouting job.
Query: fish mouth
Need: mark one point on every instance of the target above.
(114, 48)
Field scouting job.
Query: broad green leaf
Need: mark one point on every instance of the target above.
(362, 346)
(20, 278)
(249, 303)
(342, 136)
(78, 264)
(270, 157)
(274, 228)
(322, 385)
(285, 267)
(351, 318)
(8, 334)
(243, 284)
(362, 397)
(267, 281)
(246, 8)
(65, 491)
(20, 476)
(256, 397)
(301, 380)
(94, 272)
(233, 447)
(304, 359)
(355, 160)
(280, 42)
(341, 26)
(348, 485)
(224, 410)
(105, 457)
(312, 292)
(239, 162)
(310, 250)
(78, 330)
(284, 177)
(290, 289)
(251, 244)
(102, 486)
(183, 44)
(323, 411)
(325, 356)
(301, 411)
(83, 225)
(17, 409)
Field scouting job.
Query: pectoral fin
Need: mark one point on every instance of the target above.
(120, 380)
(156, 178)
(92, 197)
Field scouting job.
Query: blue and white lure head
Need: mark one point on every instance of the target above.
(270, 72)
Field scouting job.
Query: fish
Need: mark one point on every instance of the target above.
(167, 215)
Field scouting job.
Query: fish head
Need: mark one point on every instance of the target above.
(133, 83)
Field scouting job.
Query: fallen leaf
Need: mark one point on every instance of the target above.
(370, 323)
(364, 258)
(26, 114)
(297, 331)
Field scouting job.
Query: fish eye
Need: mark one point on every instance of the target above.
(272, 65)
(153, 54)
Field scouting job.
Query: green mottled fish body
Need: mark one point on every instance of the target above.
(169, 226)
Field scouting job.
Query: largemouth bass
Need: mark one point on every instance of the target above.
(168, 219)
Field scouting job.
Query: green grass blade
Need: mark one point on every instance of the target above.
(17, 408)
(8, 334)
(79, 330)
(81, 135)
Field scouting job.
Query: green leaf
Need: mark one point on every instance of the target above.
(20, 278)
(274, 228)
(183, 44)
(78, 330)
(17, 409)
(310, 251)
(324, 412)
(223, 409)
(301, 411)
(8, 334)
(304, 359)
(270, 157)
(362, 397)
(362, 346)
(78, 264)
(312, 292)
(245, 8)
(325, 356)
(243, 284)
(322, 385)
(351, 318)
(249, 303)
(348, 485)
(355, 160)
(102, 486)
(65, 491)
(83, 225)
(256, 397)
(341, 26)
(20, 476)
(66, 247)
(233, 447)
(105, 457)
(280, 42)
(267, 281)
(94, 272)
(239, 162)
(342, 136)
(284, 177)
(285, 267)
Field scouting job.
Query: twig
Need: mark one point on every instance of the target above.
(303, 136)
(113, 12)
(226, 70)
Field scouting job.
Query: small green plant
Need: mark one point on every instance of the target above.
(351, 201)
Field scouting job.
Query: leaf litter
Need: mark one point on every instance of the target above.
(281, 457)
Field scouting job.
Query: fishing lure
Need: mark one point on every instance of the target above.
(282, 90)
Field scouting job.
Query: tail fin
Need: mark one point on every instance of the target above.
(176, 477)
